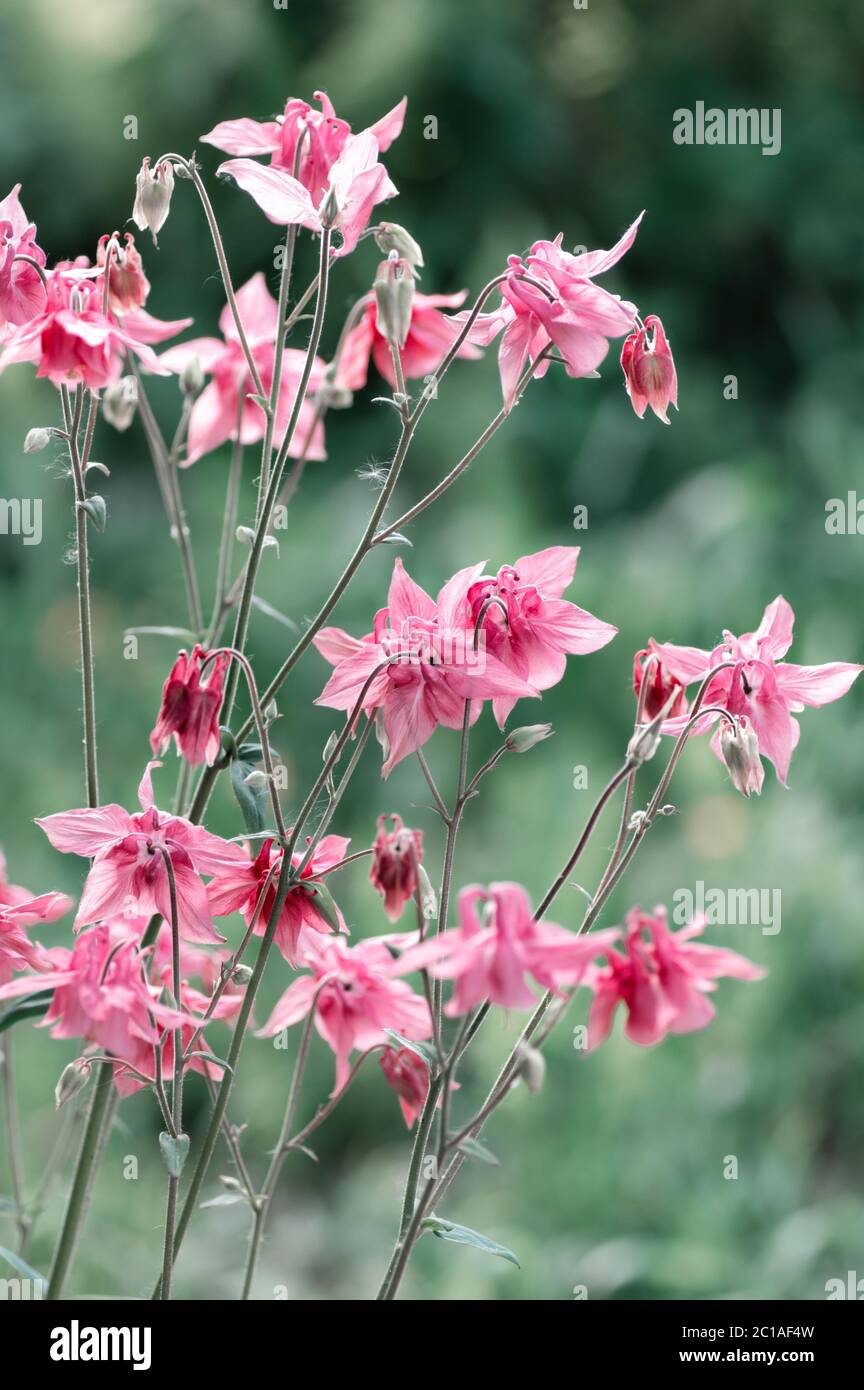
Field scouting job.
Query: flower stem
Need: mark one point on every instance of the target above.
(13, 1140)
(92, 1144)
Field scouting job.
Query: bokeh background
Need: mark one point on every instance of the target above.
(549, 118)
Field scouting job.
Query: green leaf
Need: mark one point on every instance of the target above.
(174, 1151)
(21, 1266)
(463, 1235)
(421, 1050)
(34, 1006)
(97, 510)
(271, 612)
(225, 1199)
(253, 801)
(210, 1057)
(472, 1148)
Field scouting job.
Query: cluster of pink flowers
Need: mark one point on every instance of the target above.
(131, 987)
(756, 684)
(500, 639)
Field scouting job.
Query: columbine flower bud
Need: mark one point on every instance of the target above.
(191, 377)
(520, 740)
(649, 370)
(644, 743)
(153, 189)
(35, 440)
(391, 237)
(740, 749)
(128, 286)
(394, 297)
(120, 401)
(241, 974)
(72, 1080)
(397, 854)
(329, 209)
(531, 1067)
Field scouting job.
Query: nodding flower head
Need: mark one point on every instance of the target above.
(153, 189)
(649, 369)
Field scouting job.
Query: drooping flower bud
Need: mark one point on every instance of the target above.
(72, 1080)
(397, 854)
(191, 377)
(740, 749)
(35, 440)
(190, 708)
(120, 401)
(531, 1067)
(408, 1075)
(128, 286)
(649, 369)
(394, 299)
(391, 237)
(520, 740)
(153, 189)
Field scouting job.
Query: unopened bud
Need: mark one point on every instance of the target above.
(256, 778)
(271, 712)
(391, 237)
(329, 209)
(241, 974)
(394, 299)
(120, 402)
(335, 397)
(740, 749)
(520, 740)
(644, 743)
(35, 440)
(72, 1080)
(531, 1067)
(191, 377)
(153, 189)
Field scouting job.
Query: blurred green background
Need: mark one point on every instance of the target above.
(549, 118)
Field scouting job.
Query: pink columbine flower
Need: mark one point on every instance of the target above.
(354, 997)
(322, 132)
(408, 1075)
(661, 685)
(563, 308)
(190, 708)
(760, 684)
(431, 666)
(22, 294)
(526, 623)
(357, 181)
(496, 945)
(397, 854)
(662, 979)
(128, 286)
(128, 873)
(430, 335)
(101, 994)
(649, 369)
(214, 414)
(239, 887)
(17, 951)
(72, 341)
